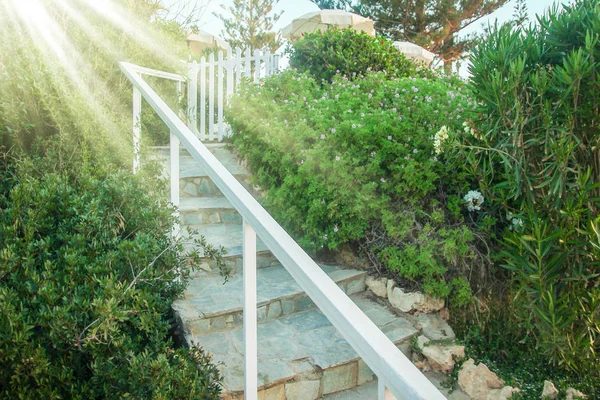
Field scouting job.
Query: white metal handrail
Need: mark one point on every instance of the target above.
(393, 369)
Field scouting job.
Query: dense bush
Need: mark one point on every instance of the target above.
(355, 162)
(538, 160)
(86, 268)
(347, 52)
(87, 276)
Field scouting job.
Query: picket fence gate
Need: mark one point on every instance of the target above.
(222, 75)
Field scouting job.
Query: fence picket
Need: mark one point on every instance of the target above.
(229, 71)
(203, 98)
(230, 66)
(238, 66)
(256, 65)
(220, 104)
(211, 97)
(248, 63)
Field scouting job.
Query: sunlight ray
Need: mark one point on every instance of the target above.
(134, 29)
(53, 44)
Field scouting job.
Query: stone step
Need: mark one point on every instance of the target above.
(194, 182)
(196, 211)
(230, 237)
(369, 391)
(209, 304)
(301, 356)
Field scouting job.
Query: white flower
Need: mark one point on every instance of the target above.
(335, 228)
(322, 137)
(474, 200)
(373, 154)
(353, 126)
(332, 130)
(337, 158)
(390, 137)
(415, 151)
(440, 137)
(516, 224)
(382, 180)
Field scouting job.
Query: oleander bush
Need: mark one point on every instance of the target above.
(537, 157)
(347, 52)
(355, 162)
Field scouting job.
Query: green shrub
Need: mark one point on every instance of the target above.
(346, 52)
(354, 162)
(537, 159)
(87, 276)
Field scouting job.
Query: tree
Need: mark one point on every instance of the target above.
(250, 24)
(520, 17)
(432, 24)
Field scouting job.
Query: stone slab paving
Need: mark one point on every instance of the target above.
(199, 203)
(230, 236)
(208, 210)
(302, 346)
(368, 391)
(188, 167)
(210, 304)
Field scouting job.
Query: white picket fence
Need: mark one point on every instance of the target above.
(222, 75)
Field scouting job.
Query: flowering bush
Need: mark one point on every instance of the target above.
(354, 162)
(347, 52)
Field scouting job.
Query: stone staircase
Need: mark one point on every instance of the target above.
(301, 356)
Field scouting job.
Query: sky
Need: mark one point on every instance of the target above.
(296, 8)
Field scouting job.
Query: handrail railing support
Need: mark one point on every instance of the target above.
(250, 315)
(174, 178)
(137, 128)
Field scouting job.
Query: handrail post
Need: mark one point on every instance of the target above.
(249, 319)
(383, 393)
(137, 128)
(174, 178)
(193, 97)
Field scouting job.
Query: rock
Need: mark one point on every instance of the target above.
(445, 314)
(434, 327)
(550, 391)
(190, 189)
(205, 267)
(429, 304)
(477, 381)
(423, 365)
(440, 356)
(405, 302)
(378, 286)
(573, 394)
(390, 286)
(302, 390)
(414, 301)
(502, 394)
